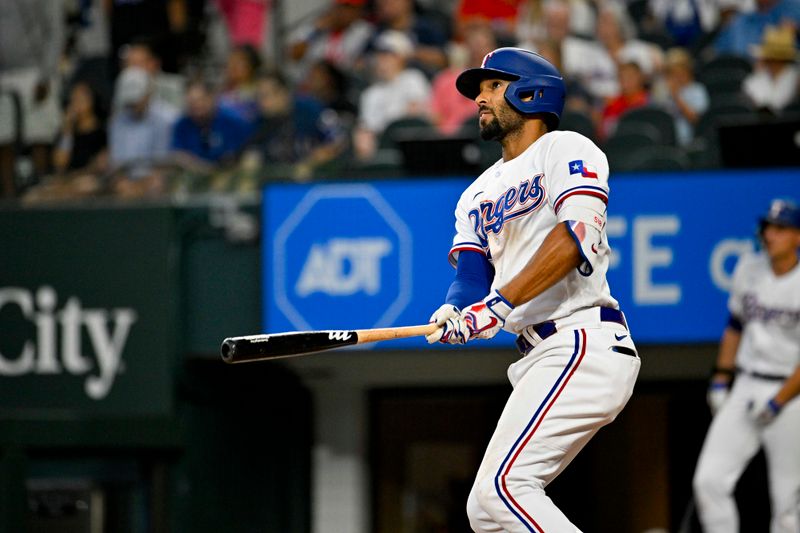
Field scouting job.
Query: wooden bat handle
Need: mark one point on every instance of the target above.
(385, 334)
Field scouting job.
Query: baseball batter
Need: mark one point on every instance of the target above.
(761, 347)
(531, 255)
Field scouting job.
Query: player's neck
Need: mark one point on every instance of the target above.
(518, 141)
(783, 264)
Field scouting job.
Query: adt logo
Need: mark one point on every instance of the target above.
(342, 260)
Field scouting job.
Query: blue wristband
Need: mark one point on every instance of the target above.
(774, 407)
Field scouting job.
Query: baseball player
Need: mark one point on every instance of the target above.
(761, 347)
(531, 256)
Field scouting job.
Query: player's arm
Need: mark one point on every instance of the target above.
(556, 257)
(789, 390)
(725, 367)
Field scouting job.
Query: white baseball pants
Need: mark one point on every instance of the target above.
(569, 386)
(732, 441)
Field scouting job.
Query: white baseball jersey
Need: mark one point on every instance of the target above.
(769, 308)
(508, 211)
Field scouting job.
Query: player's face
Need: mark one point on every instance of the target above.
(780, 241)
(496, 119)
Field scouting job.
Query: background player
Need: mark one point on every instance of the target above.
(761, 346)
(530, 233)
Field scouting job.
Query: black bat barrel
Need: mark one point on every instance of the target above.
(280, 345)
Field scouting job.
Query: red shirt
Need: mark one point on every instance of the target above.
(616, 107)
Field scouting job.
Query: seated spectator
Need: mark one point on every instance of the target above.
(328, 85)
(206, 131)
(139, 135)
(241, 71)
(500, 16)
(681, 95)
(82, 142)
(633, 94)
(449, 109)
(397, 92)
(245, 20)
(774, 83)
(293, 132)
(427, 36)
(142, 53)
(339, 37)
(746, 29)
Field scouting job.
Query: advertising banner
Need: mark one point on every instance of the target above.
(362, 255)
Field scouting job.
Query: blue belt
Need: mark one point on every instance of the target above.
(548, 328)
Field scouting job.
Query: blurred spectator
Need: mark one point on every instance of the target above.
(83, 138)
(161, 21)
(397, 92)
(530, 26)
(746, 29)
(339, 37)
(31, 43)
(449, 109)
(294, 132)
(142, 53)
(241, 71)
(206, 131)
(245, 20)
(775, 82)
(330, 86)
(427, 36)
(633, 94)
(139, 135)
(500, 15)
(680, 94)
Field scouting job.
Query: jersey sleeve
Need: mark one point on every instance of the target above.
(738, 286)
(577, 181)
(467, 228)
(577, 177)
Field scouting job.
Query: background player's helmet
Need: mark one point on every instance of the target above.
(531, 75)
(781, 213)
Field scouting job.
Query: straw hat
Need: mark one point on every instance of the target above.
(778, 44)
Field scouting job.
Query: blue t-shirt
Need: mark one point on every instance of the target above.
(223, 137)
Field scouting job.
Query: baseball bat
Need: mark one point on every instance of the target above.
(295, 343)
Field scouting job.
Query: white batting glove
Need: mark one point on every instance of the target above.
(717, 395)
(765, 413)
(452, 328)
(485, 318)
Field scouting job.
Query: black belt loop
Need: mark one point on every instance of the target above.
(548, 328)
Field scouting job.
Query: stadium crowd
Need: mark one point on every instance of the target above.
(141, 98)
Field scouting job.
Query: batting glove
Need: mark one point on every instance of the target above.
(452, 328)
(766, 413)
(717, 395)
(485, 318)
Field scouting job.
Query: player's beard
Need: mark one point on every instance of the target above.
(503, 122)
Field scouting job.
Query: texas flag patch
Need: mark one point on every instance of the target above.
(582, 168)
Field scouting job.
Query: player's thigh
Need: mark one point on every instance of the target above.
(781, 440)
(732, 439)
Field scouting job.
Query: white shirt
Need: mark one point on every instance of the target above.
(769, 309)
(773, 93)
(387, 101)
(509, 210)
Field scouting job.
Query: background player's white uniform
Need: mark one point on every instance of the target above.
(580, 363)
(769, 351)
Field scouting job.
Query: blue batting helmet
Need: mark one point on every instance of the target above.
(530, 74)
(781, 213)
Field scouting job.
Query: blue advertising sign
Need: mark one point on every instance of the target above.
(351, 256)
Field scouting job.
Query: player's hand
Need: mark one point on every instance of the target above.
(765, 413)
(717, 394)
(452, 328)
(485, 318)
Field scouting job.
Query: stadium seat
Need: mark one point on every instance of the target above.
(661, 119)
(578, 122)
(403, 127)
(621, 144)
(656, 158)
(725, 62)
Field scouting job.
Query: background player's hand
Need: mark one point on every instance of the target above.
(717, 394)
(765, 413)
(452, 328)
(485, 318)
